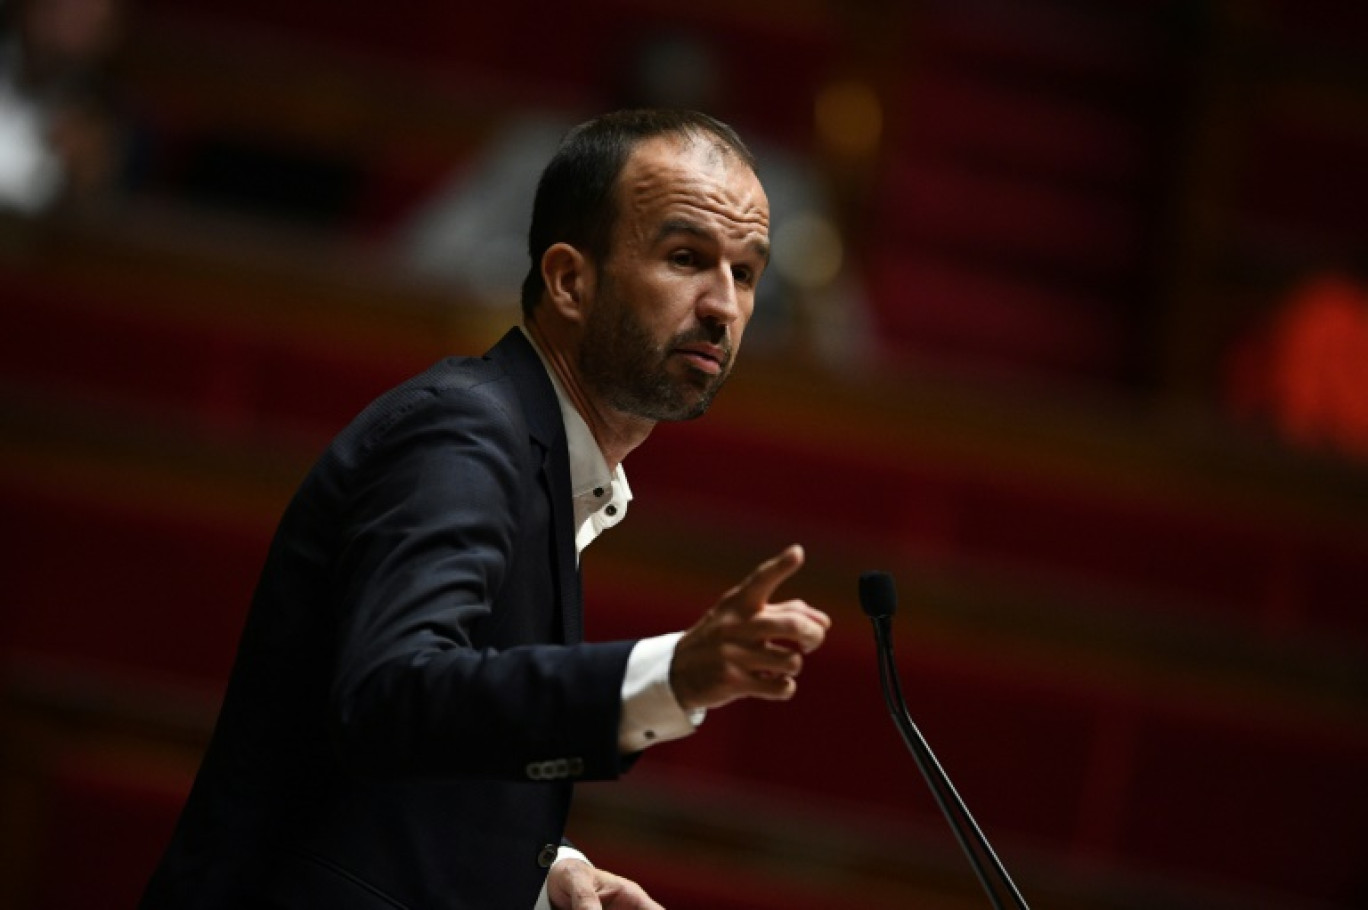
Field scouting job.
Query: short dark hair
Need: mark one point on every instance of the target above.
(575, 203)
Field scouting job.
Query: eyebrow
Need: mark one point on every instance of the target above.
(672, 226)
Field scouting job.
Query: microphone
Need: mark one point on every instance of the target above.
(878, 597)
(879, 600)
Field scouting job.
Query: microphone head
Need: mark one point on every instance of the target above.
(878, 597)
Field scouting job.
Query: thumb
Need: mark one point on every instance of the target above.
(585, 896)
(762, 582)
(571, 886)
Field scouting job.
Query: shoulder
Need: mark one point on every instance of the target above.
(467, 395)
(503, 397)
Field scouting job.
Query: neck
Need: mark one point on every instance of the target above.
(616, 433)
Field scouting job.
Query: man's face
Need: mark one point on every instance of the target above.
(677, 288)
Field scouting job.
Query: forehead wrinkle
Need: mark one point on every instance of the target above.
(663, 189)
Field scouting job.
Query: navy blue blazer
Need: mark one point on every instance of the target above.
(411, 700)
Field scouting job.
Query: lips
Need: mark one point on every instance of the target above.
(709, 358)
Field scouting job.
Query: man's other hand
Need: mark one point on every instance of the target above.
(746, 646)
(575, 885)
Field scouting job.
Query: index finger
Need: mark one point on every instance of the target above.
(770, 574)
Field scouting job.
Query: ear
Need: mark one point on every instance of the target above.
(568, 275)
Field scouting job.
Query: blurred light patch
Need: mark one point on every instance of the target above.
(30, 172)
(1306, 368)
(849, 118)
(807, 250)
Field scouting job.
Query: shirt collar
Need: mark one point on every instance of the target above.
(600, 494)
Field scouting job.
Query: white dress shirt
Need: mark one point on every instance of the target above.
(650, 712)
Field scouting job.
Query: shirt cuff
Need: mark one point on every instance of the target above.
(562, 852)
(650, 712)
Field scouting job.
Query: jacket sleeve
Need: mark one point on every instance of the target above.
(429, 536)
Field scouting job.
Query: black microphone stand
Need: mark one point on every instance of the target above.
(989, 869)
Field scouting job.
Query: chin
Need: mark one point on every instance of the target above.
(699, 406)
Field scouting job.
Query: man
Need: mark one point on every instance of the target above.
(412, 699)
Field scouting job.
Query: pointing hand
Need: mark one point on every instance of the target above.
(746, 646)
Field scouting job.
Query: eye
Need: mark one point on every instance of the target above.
(744, 275)
(683, 258)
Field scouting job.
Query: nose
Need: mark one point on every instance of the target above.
(720, 302)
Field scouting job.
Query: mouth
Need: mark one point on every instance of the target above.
(706, 358)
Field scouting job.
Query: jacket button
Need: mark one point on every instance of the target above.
(547, 856)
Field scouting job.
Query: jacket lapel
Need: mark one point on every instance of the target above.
(542, 409)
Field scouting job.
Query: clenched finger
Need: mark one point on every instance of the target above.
(772, 659)
(796, 629)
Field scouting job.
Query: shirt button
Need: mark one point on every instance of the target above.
(611, 510)
(649, 734)
(547, 856)
(598, 491)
